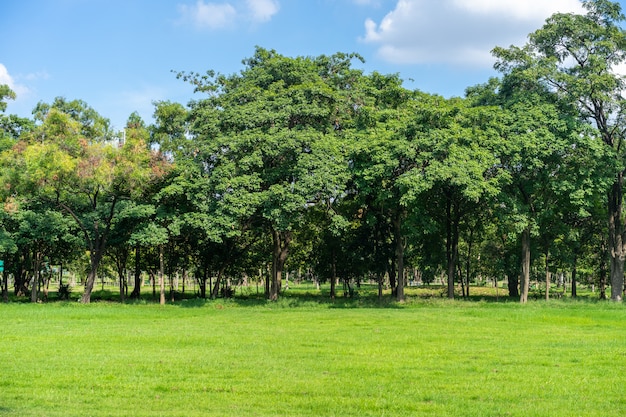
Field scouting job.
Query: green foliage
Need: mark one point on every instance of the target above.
(308, 164)
(5, 94)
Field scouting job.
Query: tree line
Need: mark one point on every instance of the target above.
(310, 164)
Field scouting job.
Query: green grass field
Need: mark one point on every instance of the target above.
(304, 357)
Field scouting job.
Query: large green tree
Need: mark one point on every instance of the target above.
(261, 135)
(577, 57)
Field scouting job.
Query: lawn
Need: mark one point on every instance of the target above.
(302, 357)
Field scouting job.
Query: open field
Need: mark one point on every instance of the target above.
(302, 357)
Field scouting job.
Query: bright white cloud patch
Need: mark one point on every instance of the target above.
(458, 31)
(208, 15)
(6, 78)
(262, 10)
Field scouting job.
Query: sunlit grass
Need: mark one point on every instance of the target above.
(304, 357)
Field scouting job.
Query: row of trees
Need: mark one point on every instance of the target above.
(309, 164)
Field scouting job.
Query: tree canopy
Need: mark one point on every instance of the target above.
(307, 165)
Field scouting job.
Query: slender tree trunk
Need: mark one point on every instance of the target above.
(603, 273)
(203, 280)
(46, 287)
(399, 256)
(452, 244)
(153, 283)
(281, 242)
(333, 278)
(36, 277)
(5, 287)
(161, 275)
(392, 278)
(137, 287)
(525, 275)
(574, 276)
(34, 287)
(547, 276)
(122, 279)
(218, 281)
(95, 259)
(617, 252)
(468, 262)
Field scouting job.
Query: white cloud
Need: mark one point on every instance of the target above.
(5, 78)
(519, 9)
(458, 31)
(262, 10)
(19, 89)
(208, 15)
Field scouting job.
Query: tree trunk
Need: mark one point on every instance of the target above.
(525, 274)
(46, 287)
(5, 287)
(399, 256)
(468, 262)
(281, 242)
(513, 284)
(152, 279)
(392, 278)
(122, 279)
(137, 287)
(452, 244)
(617, 252)
(574, 277)
(333, 278)
(33, 288)
(202, 281)
(36, 277)
(95, 259)
(603, 271)
(547, 276)
(218, 280)
(161, 276)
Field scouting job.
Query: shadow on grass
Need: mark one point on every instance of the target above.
(364, 299)
(308, 296)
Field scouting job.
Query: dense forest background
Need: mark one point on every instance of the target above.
(307, 166)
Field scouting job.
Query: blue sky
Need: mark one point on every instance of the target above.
(117, 55)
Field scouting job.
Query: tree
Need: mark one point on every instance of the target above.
(84, 176)
(460, 143)
(576, 57)
(11, 126)
(257, 134)
(388, 161)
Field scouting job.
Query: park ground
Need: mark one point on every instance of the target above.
(308, 356)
